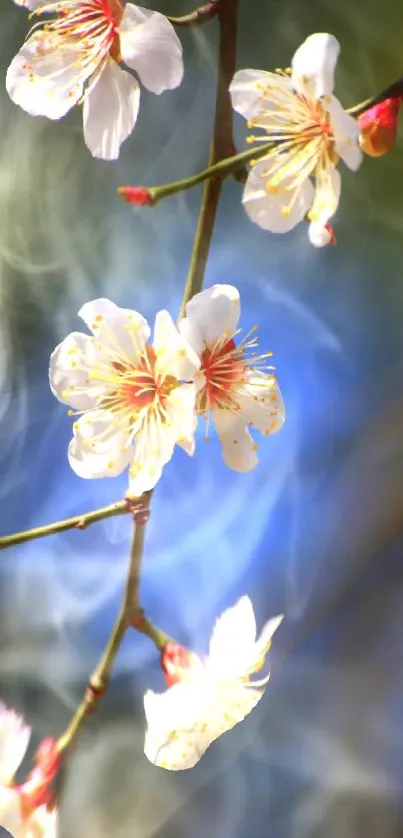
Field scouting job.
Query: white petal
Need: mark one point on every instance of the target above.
(261, 405)
(154, 447)
(238, 448)
(327, 195)
(68, 371)
(29, 4)
(201, 715)
(263, 642)
(246, 90)
(232, 640)
(180, 413)
(14, 738)
(110, 111)
(98, 447)
(174, 353)
(211, 315)
(346, 133)
(313, 65)
(150, 46)
(10, 812)
(319, 236)
(121, 331)
(279, 212)
(42, 824)
(45, 81)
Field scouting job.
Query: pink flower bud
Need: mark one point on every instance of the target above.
(137, 195)
(378, 127)
(177, 662)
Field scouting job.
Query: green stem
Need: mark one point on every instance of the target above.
(79, 522)
(220, 149)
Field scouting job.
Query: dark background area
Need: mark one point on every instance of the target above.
(315, 532)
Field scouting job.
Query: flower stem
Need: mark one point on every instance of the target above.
(79, 522)
(201, 15)
(221, 148)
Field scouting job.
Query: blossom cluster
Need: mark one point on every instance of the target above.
(136, 397)
(89, 49)
(136, 400)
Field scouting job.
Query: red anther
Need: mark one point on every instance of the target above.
(378, 127)
(137, 195)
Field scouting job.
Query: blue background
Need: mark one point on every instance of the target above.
(314, 532)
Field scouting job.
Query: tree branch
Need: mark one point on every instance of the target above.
(199, 16)
(79, 522)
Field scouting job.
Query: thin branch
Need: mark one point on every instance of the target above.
(221, 147)
(130, 615)
(199, 16)
(79, 522)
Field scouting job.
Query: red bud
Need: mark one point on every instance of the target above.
(137, 195)
(378, 127)
(176, 660)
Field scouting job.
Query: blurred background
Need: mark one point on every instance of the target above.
(315, 532)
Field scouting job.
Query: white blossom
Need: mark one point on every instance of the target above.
(233, 384)
(208, 697)
(76, 57)
(133, 406)
(16, 814)
(311, 131)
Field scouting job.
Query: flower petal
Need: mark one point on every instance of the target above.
(186, 719)
(263, 642)
(319, 236)
(42, 823)
(238, 448)
(68, 371)
(261, 403)
(174, 353)
(278, 212)
(327, 195)
(150, 46)
(232, 640)
(10, 812)
(45, 81)
(14, 738)
(121, 331)
(246, 90)
(98, 447)
(29, 4)
(110, 111)
(156, 438)
(346, 133)
(211, 315)
(313, 65)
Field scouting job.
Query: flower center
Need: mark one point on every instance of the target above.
(223, 367)
(89, 26)
(134, 389)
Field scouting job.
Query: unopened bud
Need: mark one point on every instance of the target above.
(176, 662)
(378, 127)
(136, 195)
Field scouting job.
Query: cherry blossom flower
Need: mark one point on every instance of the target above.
(23, 808)
(76, 58)
(207, 698)
(310, 130)
(233, 384)
(134, 408)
